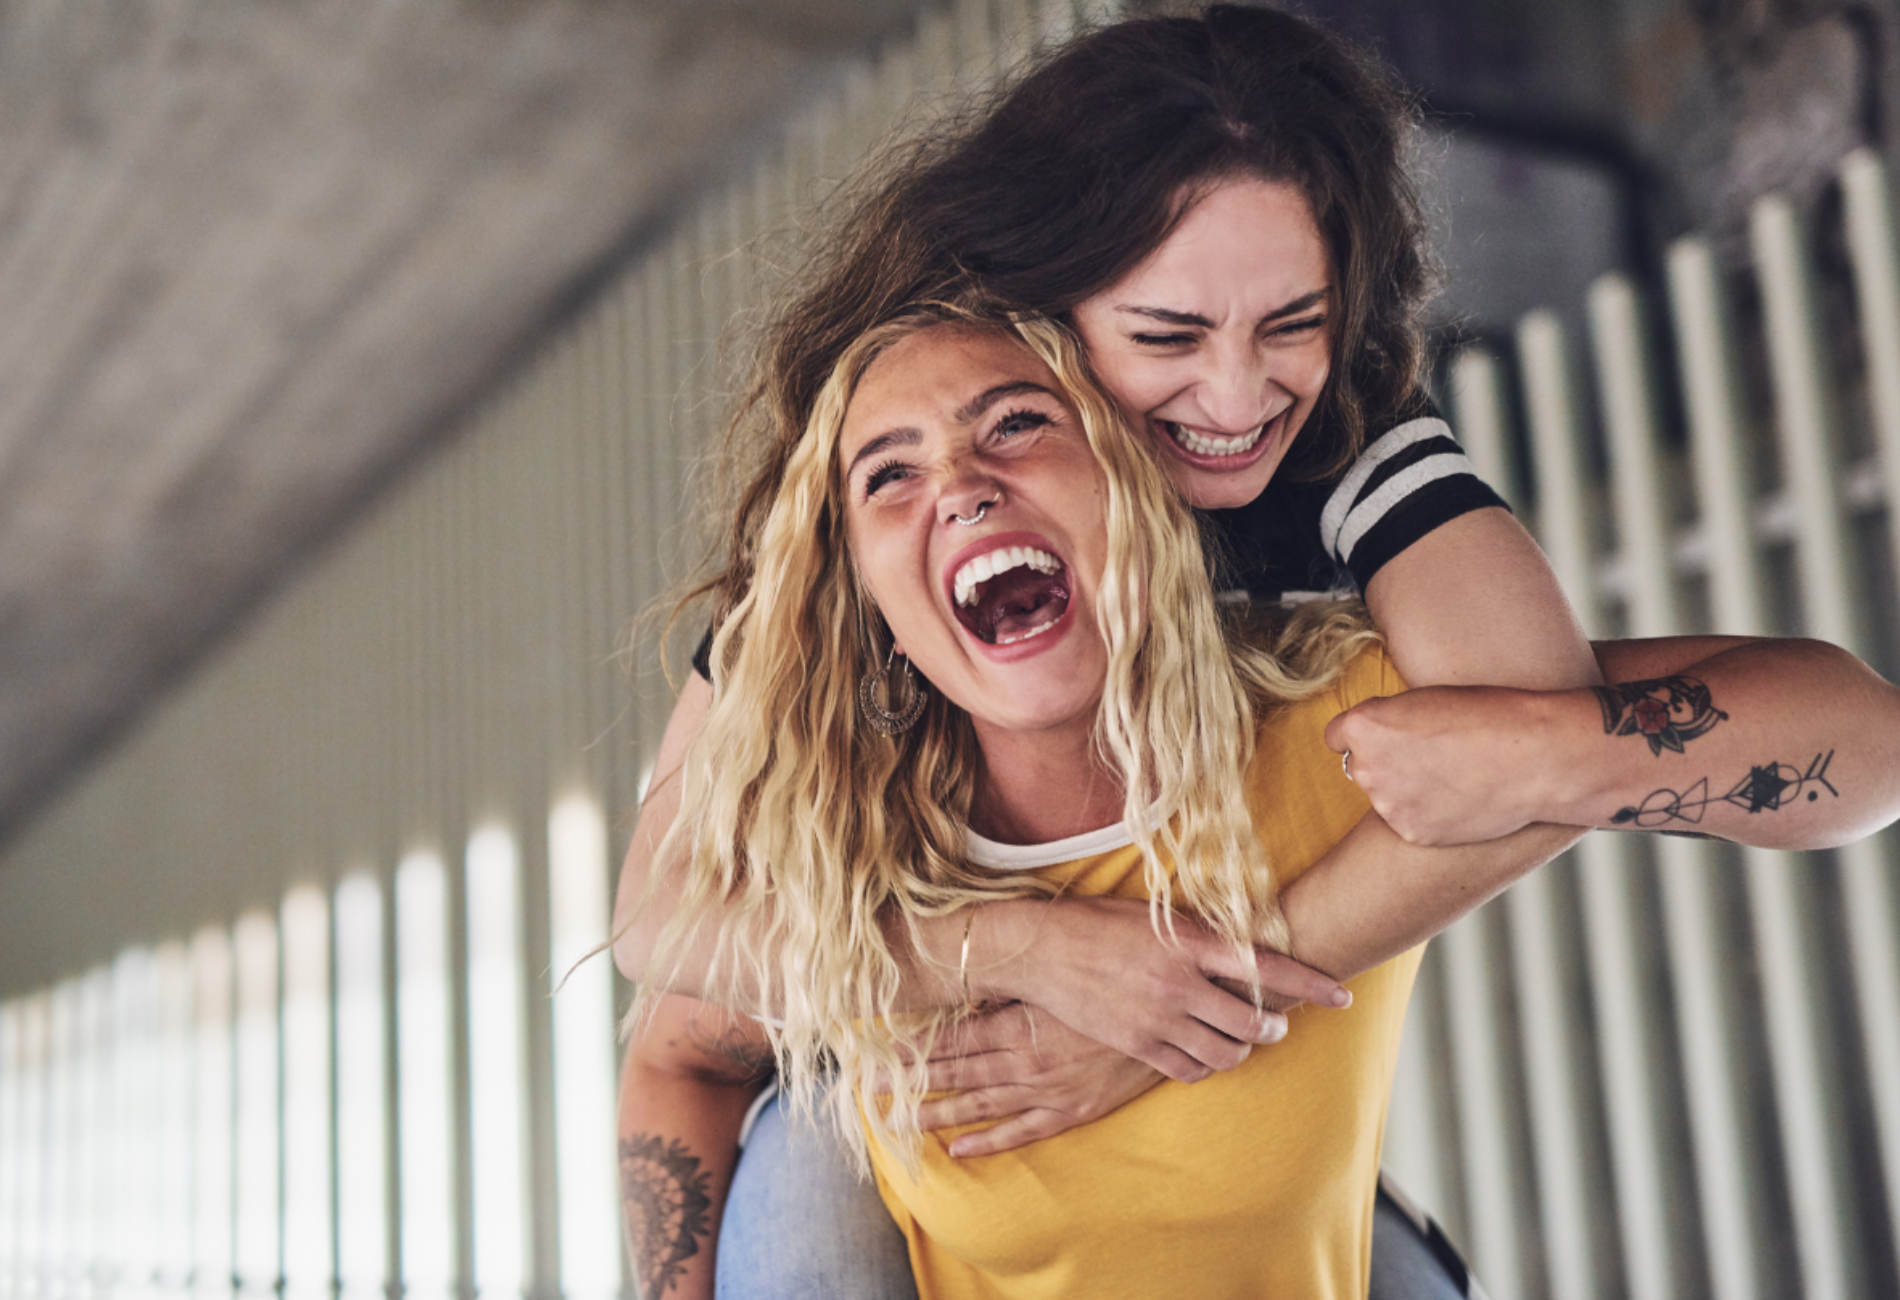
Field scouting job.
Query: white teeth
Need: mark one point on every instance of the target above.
(1200, 446)
(1002, 560)
(1037, 630)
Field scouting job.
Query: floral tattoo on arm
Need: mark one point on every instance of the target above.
(665, 1195)
(1666, 711)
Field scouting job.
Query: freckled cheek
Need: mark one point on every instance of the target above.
(881, 561)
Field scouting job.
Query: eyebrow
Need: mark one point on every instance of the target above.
(1303, 303)
(970, 411)
(905, 437)
(989, 397)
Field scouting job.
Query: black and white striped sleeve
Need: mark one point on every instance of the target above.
(1403, 485)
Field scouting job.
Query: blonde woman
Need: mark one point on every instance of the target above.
(954, 513)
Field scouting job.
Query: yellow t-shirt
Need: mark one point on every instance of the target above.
(1254, 1183)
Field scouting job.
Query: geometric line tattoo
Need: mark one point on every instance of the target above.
(665, 1194)
(1665, 712)
(1765, 788)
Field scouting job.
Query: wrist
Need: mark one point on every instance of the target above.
(1581, 765)
(992, 970)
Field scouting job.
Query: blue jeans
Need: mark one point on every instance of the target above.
(800, 1225)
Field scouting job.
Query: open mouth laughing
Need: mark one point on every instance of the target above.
(1221, 451)
(1203, 446)
(1011, 590)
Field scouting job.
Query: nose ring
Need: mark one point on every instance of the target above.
(981, 510)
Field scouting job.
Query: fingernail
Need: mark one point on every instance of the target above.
(958, 1147)
(1342, 998)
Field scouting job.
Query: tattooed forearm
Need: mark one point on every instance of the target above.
(663, 1192)
(1665, 711)
(1766, 788)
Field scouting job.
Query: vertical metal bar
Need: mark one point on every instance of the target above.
(362, 1091)
(584, 1057)
(1557, 445)
(571, 382)
(1808, 418)
(1814, 1138)
(75, 1128)
(211, 1120)
(12, 1146)
(604, 605)
(36, 1146)
(38, 1120)
(652, 701)
(1628, 404)
(1415, 1147)
(134, 1135)
(172, 1087)
(424, 1133)
(623, 601)
(1871, 242)
(1605, 866)
(118, 1170)
(658, 448)
(497, 1064)
(259, 1168)
(309, 1224)
(1490, 1190)
(1477, 411)
(90, 1249)
(57, 1177)
(1544, 1019)
(553, 478)
(1717, 438)
(1545, 1024)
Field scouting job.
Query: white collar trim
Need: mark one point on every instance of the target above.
(998, 856)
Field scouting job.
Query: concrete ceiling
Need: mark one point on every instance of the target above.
(255, 254)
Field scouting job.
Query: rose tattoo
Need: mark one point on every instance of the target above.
(1665, 712)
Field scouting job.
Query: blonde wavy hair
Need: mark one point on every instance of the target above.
(809, 845)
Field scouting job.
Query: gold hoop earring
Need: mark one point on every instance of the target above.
(891, 722)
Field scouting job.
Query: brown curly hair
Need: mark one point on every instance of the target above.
(1062, 182)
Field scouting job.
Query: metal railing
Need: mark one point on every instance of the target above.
(1721, 1027)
